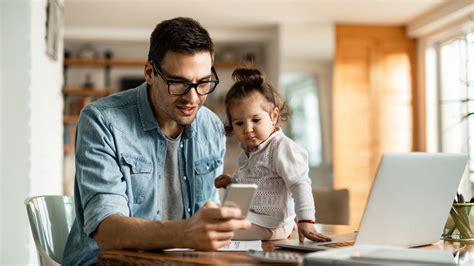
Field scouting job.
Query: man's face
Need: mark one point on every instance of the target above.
(181, 110)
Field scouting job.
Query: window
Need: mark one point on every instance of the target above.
(450, 96)
(304, 125)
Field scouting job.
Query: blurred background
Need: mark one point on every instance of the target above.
(361, 77)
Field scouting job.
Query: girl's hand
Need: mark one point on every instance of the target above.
(307, 230)
(222, 181)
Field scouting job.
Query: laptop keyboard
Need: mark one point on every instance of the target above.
(339, 244)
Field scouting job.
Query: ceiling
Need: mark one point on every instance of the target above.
(135, 18)
(243, 13)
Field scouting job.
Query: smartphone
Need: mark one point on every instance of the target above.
(240, 195)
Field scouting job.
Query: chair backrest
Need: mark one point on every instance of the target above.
(332, 206)
(51, 218)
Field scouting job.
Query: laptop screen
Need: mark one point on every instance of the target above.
(410, 198)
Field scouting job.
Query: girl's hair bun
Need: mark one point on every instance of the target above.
(250, 76)
(250, 80)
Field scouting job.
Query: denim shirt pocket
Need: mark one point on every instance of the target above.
(139, 171)
(204, 170)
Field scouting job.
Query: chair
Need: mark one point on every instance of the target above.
(51, 218)
(332, 206)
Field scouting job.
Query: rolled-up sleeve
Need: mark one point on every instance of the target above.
(100, 207)
(99, 179)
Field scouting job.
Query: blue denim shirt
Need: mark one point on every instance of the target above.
(120, 157)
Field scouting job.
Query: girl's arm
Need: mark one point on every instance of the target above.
(291, 163)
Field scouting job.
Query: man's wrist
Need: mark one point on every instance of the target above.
(179, 230)
(171, 234)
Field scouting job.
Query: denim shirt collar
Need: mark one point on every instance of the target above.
(148, 118)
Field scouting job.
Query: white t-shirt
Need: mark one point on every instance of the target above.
(280, 169)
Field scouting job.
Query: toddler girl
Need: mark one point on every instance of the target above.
(269, 159)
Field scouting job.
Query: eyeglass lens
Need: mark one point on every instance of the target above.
(183, 87)
(180, 88)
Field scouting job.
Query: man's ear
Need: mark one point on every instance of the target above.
(275, 114)
(148, 72)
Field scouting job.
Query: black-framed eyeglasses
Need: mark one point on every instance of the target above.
(179, 87)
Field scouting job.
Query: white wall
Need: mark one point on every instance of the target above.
(307, 43)
(31, 111)
(1, 124)
(46, 105)
(15, 134)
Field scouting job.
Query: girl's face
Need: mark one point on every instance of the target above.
(251, 119)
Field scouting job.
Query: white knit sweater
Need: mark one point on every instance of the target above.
(280, 169)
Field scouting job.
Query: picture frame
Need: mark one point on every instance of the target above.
(54, 22)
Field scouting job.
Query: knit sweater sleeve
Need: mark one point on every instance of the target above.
(291, 163)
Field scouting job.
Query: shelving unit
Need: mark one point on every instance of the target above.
(100, 92)
(76, 97)
(103, 62)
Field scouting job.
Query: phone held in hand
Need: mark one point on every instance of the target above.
(240, 195)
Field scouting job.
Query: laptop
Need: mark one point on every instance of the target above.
(408, 204)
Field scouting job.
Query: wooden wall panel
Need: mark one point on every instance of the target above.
(372, 104)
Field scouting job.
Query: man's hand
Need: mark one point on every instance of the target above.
(307, 230)
(212, 227)
(222, 181)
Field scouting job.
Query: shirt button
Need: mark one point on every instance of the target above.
(181, 146)
(207, 167)
(184, 177)
(158, 212)
(189, 210)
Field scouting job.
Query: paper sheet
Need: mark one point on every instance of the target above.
(242, 245)
(231, 246)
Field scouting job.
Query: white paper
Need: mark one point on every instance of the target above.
(242, 245)
(178, 249)
(233, 245)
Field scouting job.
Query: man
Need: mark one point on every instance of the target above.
(146, 158)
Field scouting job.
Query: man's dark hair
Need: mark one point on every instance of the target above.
(180, 35)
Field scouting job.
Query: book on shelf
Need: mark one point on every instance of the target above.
(84, 102)
(74, 104)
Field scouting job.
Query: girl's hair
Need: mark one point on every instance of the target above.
(249, 80)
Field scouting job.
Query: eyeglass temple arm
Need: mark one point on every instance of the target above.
(155, 72)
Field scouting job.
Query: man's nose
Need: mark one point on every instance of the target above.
(192, 95)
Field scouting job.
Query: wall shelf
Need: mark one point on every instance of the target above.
(70, 119)
(103, 62)
(78, 62)
(96, 91)
(76, 97)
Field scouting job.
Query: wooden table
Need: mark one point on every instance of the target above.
(463, 253)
